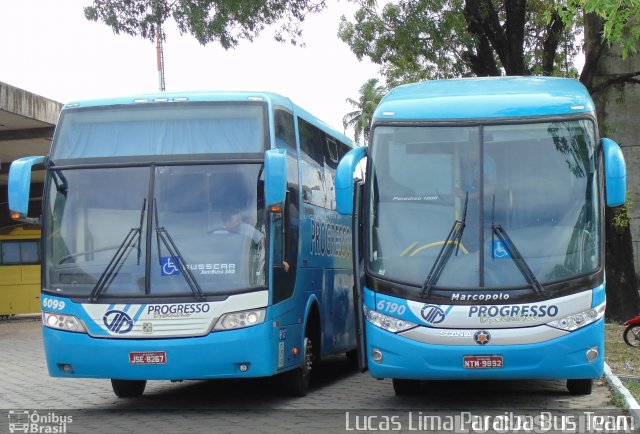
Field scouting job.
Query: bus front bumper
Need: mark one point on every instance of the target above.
(217, 355)
(559, 358)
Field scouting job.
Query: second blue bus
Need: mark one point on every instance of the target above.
(480, 249)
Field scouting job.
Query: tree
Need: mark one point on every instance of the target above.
(622, 295)
(223, 21)
(360, 119)
(427, 39)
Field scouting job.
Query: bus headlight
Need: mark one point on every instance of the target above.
(579, 320)
(62, 321)
(238, 320)
(388, 323)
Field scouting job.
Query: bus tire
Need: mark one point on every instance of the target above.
(296, 382)
(404, 387)
(581, 386)
(128, 388)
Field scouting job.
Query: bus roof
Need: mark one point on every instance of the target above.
(192, 96)
(485, 98)
(273, 99)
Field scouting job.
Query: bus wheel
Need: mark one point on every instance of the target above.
(296, 382)
(406, 387)
(580, 386)
(128, 388)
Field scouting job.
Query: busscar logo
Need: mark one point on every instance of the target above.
(117, 321)
(432, 314)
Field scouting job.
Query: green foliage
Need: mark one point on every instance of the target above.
(223, 21)
(621, 216)
(360, 119)
(622, 21)
(426, 39)
(412, 40)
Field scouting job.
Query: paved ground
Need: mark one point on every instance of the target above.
(340, 401)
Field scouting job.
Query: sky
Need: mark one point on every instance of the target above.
(49, 48)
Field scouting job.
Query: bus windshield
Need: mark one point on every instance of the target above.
(537, 182)
(104, 224)
(161, 129)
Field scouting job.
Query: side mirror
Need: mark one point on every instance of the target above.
(615, 173)
(19, 186)
(344, 179)
(275, 176)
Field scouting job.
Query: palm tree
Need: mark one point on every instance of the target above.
(360, 119)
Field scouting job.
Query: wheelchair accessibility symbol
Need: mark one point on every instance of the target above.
(499, 250)
(168, 266)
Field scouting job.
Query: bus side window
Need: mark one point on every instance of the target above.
(331, 159)
(312, 163)
(285, 132)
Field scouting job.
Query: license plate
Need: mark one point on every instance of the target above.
(148, 358)
(482, 362)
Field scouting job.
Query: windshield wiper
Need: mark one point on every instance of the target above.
(452, 242)
(163, 235)
(144, 207)
(113, 268)
(517, 258)
(514, 253)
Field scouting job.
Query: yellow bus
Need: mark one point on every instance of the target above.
(19, 270)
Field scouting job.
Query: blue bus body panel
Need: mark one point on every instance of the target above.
(561, 355)
(216, 355)
(561, 358)
(483, 98)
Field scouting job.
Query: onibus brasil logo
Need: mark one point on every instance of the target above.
(26, 421)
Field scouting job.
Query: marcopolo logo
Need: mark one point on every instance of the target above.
(433, 314)
(117, 321)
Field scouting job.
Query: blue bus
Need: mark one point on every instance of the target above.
(480, 252)
(191, 236)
